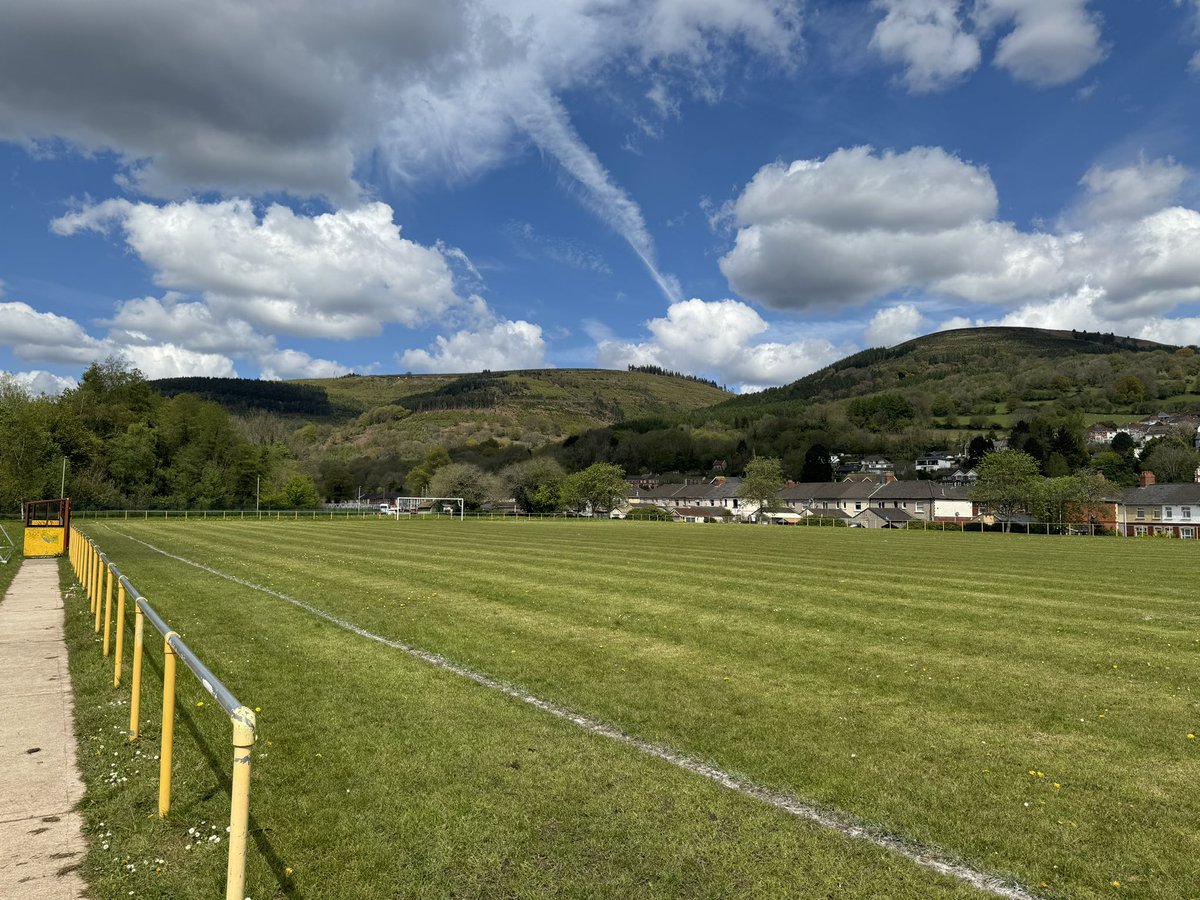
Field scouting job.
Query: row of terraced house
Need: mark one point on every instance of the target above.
(871, 503)
(1165, 510)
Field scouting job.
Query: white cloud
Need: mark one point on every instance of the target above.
(1130, 192)
(923, 190)
(927, 37)
(37, 382)
(338, 275)
(894, 325)
(1042, 42)
(720, 338)
(1051, 42)
(173, 361)
(494, 345)
(153, 335)
(189, 323)
(859, 226)
(249, 99)
(46, 337)
(278, 365)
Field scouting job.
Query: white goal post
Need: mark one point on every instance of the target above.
(411, 506)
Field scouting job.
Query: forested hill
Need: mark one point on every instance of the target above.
(937, 392)
(246, 394)
(953, 359)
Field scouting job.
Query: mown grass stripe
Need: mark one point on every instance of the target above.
(833, 820)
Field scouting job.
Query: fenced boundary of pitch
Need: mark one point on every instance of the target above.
(98, 575)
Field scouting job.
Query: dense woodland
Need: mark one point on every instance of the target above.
(225, 443)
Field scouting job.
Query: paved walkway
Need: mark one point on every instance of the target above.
(41, 836)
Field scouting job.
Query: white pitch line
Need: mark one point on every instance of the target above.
(925, 857)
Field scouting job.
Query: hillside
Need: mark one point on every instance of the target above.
(976, 363)
(937, 391)
(370, 430)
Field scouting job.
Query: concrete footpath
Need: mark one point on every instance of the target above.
(41, 836)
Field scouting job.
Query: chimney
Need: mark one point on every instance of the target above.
(1147, 478)
(889, 477)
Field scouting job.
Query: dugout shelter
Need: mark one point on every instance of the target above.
(47, 527)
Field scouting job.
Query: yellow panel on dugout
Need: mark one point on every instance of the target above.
(47, 523)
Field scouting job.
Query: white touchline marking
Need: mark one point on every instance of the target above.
(923, 856)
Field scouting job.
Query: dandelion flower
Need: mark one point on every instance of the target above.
(288, 872)
(199, 702)
(1115, 883)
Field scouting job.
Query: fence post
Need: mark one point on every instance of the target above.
(239, 811)
(108, 606)
(86, 576)
(168, 727)
(135, 696)
(100, 563)
(120, 633)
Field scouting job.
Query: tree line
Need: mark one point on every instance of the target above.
(114, 441)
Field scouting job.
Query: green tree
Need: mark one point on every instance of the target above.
(133, 457)
(761, 482)
(1070, 498)
(29, 458)
(299, 493)
(418, 478)
(1172, 462)
(817, 465)
(1007, 480)
(475, 486)
(534, 484)
(1122, 443)
(596, 489)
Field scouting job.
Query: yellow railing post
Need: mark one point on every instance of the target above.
(135, 696)
(239, 812)
(99, 589)
(168, 727)
(96, 582)
(120, 633)
(87, 577)
(108, 570)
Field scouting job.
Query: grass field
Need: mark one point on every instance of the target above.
(1023, 704)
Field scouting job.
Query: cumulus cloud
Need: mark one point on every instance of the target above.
(927, 37)
(1129, 193)
(37, 382)
(46, 337)
(1051, 41)
(278, 365)
(153, 335)
(1042, 42)
(493, 345)
(720, 338)
(894, 325)
(173, 361)
(247, 100)
(340, 274)
(799, 247)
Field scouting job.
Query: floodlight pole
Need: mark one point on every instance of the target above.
(62, 491)
(257, 486)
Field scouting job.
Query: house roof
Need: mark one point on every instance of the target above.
(828, 514)
(888, 515)
(707, 512)
(873, 490)
(1187, 494)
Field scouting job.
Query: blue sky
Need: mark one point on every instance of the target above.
(743, 190)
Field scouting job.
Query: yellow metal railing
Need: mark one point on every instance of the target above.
(98, 575)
